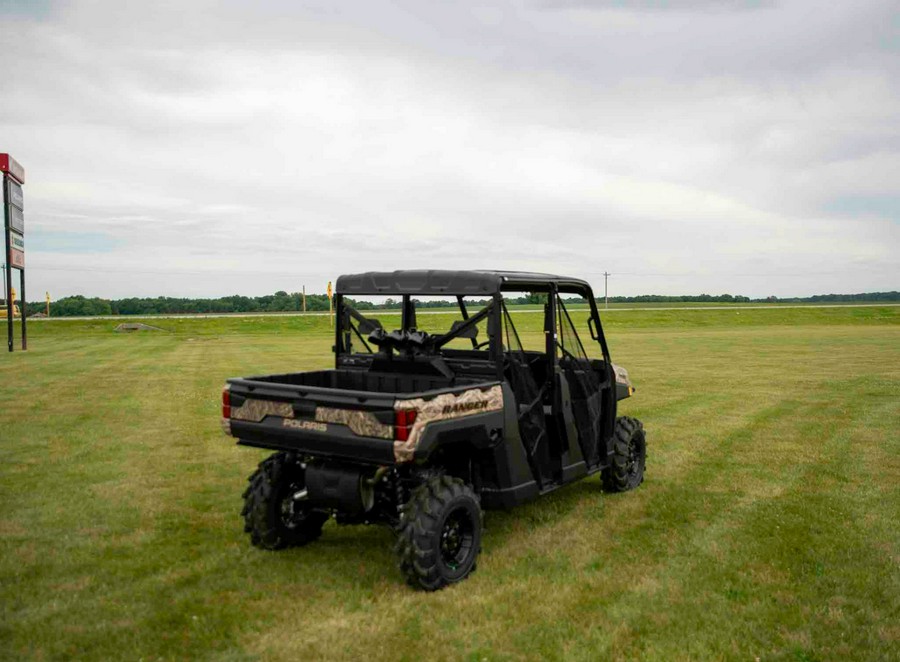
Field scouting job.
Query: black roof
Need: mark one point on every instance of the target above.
(449, 282)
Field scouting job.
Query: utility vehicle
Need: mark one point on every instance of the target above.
(420, 427)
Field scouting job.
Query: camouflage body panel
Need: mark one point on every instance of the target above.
(624, 387)
(362, 423)
(255, 411)
(442, 408)
(621, 375)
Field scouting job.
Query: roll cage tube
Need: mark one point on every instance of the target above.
(359, 330)
(408, 316)
(562, 315)
(467, 323)
(411, 341)
(465, 315)
(595, 328)
(552, 326)
(346, 330)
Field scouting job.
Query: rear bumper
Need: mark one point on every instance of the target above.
(335, 441)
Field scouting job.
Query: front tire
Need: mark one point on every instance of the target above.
(626, 469)
(439, 537)
(273, 517)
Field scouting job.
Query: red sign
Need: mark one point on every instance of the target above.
(18, 259)
(10, 165)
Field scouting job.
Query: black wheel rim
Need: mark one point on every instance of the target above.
(633, 466)
(457, 538)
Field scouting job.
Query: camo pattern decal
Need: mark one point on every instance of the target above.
(362, 423)
(443, 407)
(256, 410)
(621, 375)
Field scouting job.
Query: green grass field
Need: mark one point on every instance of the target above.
(767, 526)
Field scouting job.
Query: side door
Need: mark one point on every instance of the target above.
(585, 385)
(526, 371)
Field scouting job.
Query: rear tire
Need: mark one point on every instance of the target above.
(629, 458)
(439, 536)
(272, 517)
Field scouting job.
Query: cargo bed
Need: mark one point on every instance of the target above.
(342, 413)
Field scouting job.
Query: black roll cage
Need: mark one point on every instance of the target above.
(494, 314)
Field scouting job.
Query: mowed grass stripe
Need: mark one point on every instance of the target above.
(142, 445)
(720, 511)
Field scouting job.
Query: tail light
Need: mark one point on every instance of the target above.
(403, 422)
(226, 403)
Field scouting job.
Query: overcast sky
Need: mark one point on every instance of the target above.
(210, 148)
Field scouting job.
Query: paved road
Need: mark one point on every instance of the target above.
(444, 311)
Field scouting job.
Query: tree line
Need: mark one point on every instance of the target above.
(80, 306)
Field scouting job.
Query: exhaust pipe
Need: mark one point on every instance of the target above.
(341, 487)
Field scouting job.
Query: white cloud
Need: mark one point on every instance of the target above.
(249, 150)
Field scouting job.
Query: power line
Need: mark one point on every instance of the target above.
(606, 276)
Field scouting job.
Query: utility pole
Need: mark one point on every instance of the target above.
(304, 298)
(606, 276)
(330, 304)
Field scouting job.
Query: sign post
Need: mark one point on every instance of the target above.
(14, 233)
(330, 304)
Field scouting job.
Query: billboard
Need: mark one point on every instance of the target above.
(14, 195)
(16, 219)
(17, 250)
(14, 205)
(9, 165)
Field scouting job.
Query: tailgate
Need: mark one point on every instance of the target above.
(357, 425)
